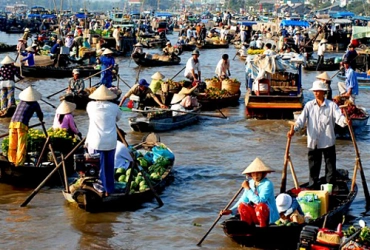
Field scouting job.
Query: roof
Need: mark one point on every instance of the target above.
(340, 21)
(247, 23)
(166, 14)
(343, 14)
(294, 23)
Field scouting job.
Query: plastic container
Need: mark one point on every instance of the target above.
(322, 195)
(311, 205)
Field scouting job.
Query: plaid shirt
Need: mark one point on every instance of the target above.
(24, 112)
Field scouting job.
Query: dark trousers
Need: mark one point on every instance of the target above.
(314, 164)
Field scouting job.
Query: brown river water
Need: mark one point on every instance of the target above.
(210, 157)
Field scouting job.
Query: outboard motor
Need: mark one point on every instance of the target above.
(86, 165)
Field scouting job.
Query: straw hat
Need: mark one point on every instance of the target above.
(30, 94)
(323, 76)
(185, 91)
(26, 29)
(75, 71)
(177, 98)
(107, 51)
(157, 76)
(168, 43)
(138, 45)
(7, 60)
(69, 34)
(318, 85)
(283, 202)
(30, 49)
(66, 107)
(257, 166)
(102, 94)
(323, 41)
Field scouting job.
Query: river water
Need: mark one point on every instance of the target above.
(210, 157)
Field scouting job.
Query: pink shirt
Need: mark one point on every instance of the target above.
(67, 123)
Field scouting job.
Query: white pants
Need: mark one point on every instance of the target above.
(343, 89)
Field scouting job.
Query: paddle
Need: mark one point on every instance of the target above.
(180, 111)
(178, 73)
(147, 180)
(32, 126)
(220, 215)
(123, 81)
(286, 161)
(29, 198)
(358, 161)
(40, 99)
(235, 55)
(97, 73)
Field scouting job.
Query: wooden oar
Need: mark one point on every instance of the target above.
(147, 180)
(97, 73)
(40, 99)
(29, 198)
(358, 164)
(32, 126)
(219, 216)
(177, 73)
(180, 111)
(286, 161)
(119, 77)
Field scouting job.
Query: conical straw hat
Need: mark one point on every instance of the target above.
(29, 94)
(177, 98)
(30, 49)
(66, 107)
(102, 94)
(323, 76)
(107, 51)
(7, 60)
(257, 166)
(157, 76)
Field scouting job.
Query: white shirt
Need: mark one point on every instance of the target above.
(116, 34)
(321, 49)
(321, 121)
(189, 33)
(190, 64)
(259, 43)
(222, 68)
(122, 157)
(102, 134)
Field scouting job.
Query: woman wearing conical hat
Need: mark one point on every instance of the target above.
(257, 205)
(157, 80)
(7, 72)
(18, 126)
(64, 118)
(29, 57)
(102, 136)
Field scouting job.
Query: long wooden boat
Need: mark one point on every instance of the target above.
(218, 103)
(362, 77)
(212, 46)
(283, 96)
(154, 119)
(287, 237)
(57, 72)
(328, 65)
(358, 124)
(90, 197)
(8, 112)
(7, 48)
(147, 62)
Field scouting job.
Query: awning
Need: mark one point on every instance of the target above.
(165, 14)
(80, 15)
(48, 16)
(343, 14)
(246, 23)
(338, 21)
(294, 23)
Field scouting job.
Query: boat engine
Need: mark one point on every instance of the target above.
(87, 165)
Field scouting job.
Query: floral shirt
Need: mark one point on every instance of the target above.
(8, 71)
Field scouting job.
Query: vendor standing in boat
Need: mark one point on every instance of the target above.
(21, 45)
(102, 135)
(257, 205)
(7, 73)
(107, 64)
(320, 53)
(64, 118)
(18, 126)
(223, 68)
(349, 88)
(320, 115)
(76, 85)
(350, 56)
(192, 69)
(145, 94)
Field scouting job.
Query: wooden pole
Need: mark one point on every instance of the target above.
(286, 161)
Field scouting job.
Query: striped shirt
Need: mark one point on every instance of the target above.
(24, 112)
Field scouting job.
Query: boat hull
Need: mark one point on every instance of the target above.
(213, 104)
(361, 77)
(56, 72)
(146, 62)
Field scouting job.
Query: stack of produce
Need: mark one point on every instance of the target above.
(255, 51)
(174, 86)
(213, 93)
(352, 110)
(361, 241)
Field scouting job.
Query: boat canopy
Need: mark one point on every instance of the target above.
(294, 23)
(34, 15)
(48, 16)
(247, 23)
(342, 14)
(163, 14)
(359, 32)
(80, 15)
(336, 21)
(362, 18)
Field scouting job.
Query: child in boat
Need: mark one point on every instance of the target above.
(289, 209)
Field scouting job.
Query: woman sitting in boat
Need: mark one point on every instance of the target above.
(257, 204)
(186, 99)
(289, 209)
(138, 51)
(30, 57)
(157, 80)
(145, 94)
(169, 49)
(64, 118)
(76, 85)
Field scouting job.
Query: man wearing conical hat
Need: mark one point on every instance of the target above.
(102, 136)
(107, 64)
(320, 115)
(257, 205)
(157, 80)
(138, 49)
(18, 126)
(7, 73)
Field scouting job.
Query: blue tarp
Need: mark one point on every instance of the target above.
(34, 15)
(80, 15)
(159, 14)
(247, 23)
(294, 23)
(342, 14)
(37, 7)
(48, 16)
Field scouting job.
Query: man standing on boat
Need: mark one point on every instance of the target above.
(349, 88)
(351, 55)
(320, 53)
(321, 115)
(107, 62)
(223, 68)
(192, 70)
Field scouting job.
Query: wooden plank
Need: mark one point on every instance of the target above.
(274, 105)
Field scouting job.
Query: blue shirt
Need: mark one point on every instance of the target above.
(55, 49)
(263, 193)
(351, 81)
(30, 59)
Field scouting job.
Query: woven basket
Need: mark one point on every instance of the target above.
(231, 87)
(165, 87)
(213, 84)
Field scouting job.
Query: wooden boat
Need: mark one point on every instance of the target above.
(154, 119)
(362, 77)
(328, 65)
(57, 72)
(218, 103)
(287, 237)
(212, 45)
(8, 112)
(7, 48)
(146, 61)
(276, 98)
(89, 195)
